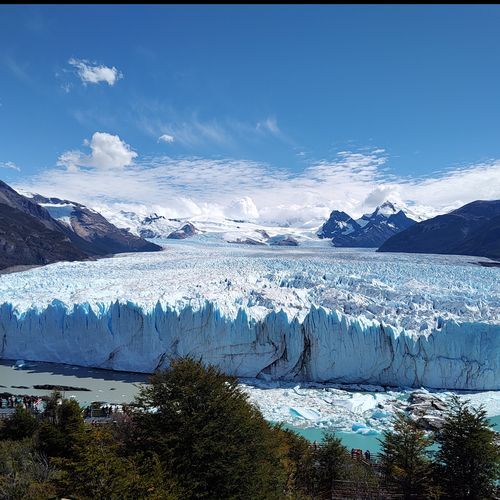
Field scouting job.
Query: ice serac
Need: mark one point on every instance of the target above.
(324, 346)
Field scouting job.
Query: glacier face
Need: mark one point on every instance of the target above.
(312, 314)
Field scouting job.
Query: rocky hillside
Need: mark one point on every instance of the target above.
(473, 229)
(31, 235)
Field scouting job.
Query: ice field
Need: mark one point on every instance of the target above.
(309, 313)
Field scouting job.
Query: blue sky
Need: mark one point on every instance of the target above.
(280, 89)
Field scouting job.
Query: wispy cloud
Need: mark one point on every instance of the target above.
(9, 165)
(16, 67)
(193, 130)
(269, 125)
(94, 73)
(112, 172)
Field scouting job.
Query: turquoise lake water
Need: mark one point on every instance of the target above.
(353, 440)
(349, 439)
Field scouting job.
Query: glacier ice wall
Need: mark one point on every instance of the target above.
(323, 346)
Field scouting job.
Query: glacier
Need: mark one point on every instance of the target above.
(305, 314)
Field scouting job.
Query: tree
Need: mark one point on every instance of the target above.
(63, 430)
(98, 471)
(405, 457)
(469, 457)
(209, 438)
(298, 462)
(21, 425)
(24, 472)
(331, 458)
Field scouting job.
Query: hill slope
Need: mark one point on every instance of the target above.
(473, 229)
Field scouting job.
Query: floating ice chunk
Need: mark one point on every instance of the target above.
(378, 414)
(357, 426)
(305, 413)
(368, 432)
(359, 403)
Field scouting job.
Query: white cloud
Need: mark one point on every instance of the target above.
(168, 139)
(93, 73)
(354, 182)
(9, 165)
(243, 208)
(107, 152)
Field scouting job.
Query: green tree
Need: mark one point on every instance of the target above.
(98, 471)
(21, 425)
(331, 460)
(405, 457)
(469, 457)
(209, 438)
(298, 461)
(63, 430)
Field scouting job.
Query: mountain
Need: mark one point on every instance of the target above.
(473, 229)
(186, 231)
(29, 235)
(371, 230)
(338, 224)
(157, 226)
(27, 240)
(39, 230)
(93, 233)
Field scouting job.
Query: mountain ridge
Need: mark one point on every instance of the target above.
(473, 229)
(369, 231)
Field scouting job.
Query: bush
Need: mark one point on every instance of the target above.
(98, 471)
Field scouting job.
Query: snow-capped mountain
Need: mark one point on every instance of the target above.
(152, 225)
(35, 230)
(29, 235)
(370, 230)
(338, 224)
(89, 230)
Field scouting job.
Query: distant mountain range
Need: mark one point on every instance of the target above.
(31, 235)
(369, 231)
(473, 229)
(38, 230)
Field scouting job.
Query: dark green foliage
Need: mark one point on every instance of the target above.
(192, 433)
(207, 435)
(469, 458)
(63, 430)
(25, 473)
(331, 460)
(21, 425)
(405, 458)
(98, 471)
